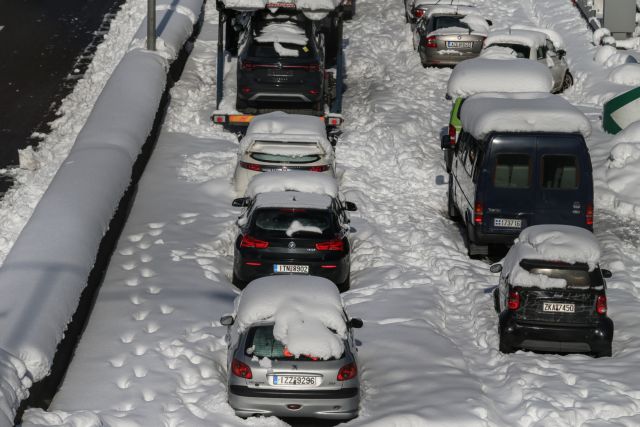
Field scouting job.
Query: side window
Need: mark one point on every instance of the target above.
(463, 147)
(472, 154)
(550, 47)
(542, 52)
(560, 172)
(512, 171)
(478, 164)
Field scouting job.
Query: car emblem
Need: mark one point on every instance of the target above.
(295, 367)
(459, 37)
(279, 65)
(292, 245)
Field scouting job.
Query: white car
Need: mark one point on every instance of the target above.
(541, 45)
(282, 142)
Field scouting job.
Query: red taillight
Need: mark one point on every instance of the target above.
(418, 13)
(319, 168)
(253, 263)
(251, 166)
(252, 242)
(513, 302)
(241, 370)
(314, 91)
(478, 214)
(330, 266)
(589, 213)
(452, 135)
(245, 89)
(333, 121)
(601, 304)
(347, 372)
(219, 118)
(431, 41)
(247, 66)
(331, 245)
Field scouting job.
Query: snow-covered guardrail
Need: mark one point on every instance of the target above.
(46, 271)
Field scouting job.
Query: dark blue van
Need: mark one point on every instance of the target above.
(505, 181)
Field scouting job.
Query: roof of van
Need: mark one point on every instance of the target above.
(498, 75)
(484, 113)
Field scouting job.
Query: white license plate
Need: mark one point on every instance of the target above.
(507, 223)
(293, 380)
(557, 307)
(465, 45)
(288, 268)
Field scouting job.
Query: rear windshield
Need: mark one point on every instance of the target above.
(449, 21)
(261, 343)
(279, 158)
(512, 171)
(560, 172)
(267, 50)
(520, 50)
(287, 222)
(576, 276)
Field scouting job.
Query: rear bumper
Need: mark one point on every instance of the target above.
(480, 238)
(543, 337)
(339, 404)
(432, 57)
(286, 92)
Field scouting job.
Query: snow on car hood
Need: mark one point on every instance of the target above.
(302, 181)
(307, 313)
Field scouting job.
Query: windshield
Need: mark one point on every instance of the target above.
(520, 50)
(289, 222)
(261, 343)
(576, 275)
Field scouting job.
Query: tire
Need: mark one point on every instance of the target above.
(496, 300)
(567, 81)
(346, 285)
(452, 210)
(504, 347)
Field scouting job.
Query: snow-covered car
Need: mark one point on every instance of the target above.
(446, 36)
(291, 351)
(283, 142)
(521, 160)
(489, 73)
(541, 45)
(416, 9)
(552, 293)
(293, 223)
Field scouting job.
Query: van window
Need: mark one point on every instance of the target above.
(512, 171)
(560, 172)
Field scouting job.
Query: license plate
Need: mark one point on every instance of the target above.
(293, 380)
(288, 268)
(557, 307)
(507, 223)
(465, 45)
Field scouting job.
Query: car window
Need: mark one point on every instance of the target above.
(268, 50)
(512, 171)
(447, 21)
(261, 343)
(298, 222)
(281, 158)
(521, 51)
(560, 172)
(542, 52)
(575, 277)
(550, 46)
(472, 154)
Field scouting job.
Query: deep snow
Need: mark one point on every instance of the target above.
(153, 353)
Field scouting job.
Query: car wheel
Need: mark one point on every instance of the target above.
(346, 285)
(606, 352)
(452, 210)
(496, 300)
(504, 347)
(567, 81)
(240, 284)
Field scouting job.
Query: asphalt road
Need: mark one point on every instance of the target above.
(45, 46)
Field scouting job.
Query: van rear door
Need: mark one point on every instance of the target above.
(565, 181)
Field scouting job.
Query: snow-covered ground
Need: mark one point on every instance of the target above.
(153, 352)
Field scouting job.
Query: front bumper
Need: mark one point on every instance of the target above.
(326, 404)
(544, 337)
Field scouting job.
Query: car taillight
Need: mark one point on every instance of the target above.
(601, 304)
(319, 168)
(314, 91)
(418, 13)
(452, 135)
(251, 242)
(247, 66)
(478, 213)
(347, 372)
(251, 166)
(241, 370)
(589, 214)
(313, 67)
(431, 41)
(513, 302)
(331, 245)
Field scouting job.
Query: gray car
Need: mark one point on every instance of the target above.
(443, 38)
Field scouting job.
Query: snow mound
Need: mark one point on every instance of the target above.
(302, 181)
(306, 310)
(599, 34)
(497, 75)
(554, 36)
(484, 113)
(610, 57)
(626, 74)
(533, 39)
(563, 243)
(311, 5)
(623, 172)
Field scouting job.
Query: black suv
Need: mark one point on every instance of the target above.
(292, 232)
(564, 319)
(281, 64)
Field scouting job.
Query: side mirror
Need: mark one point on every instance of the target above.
(445, 142)
(606, 273)
(561, 53)
(241, 202)
(356, 323)
(495, 268)
(350, 206)
(489, 22)
(227, 320)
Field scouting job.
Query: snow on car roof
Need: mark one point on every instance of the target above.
(303, 5)
(307, 313)
(283, 127)
(533, 39)
(558, 243)
(292, 199)
(451, 10)
(484, 113)
(432, 3)
(302, 181)
(498, 75)
(554, 36)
